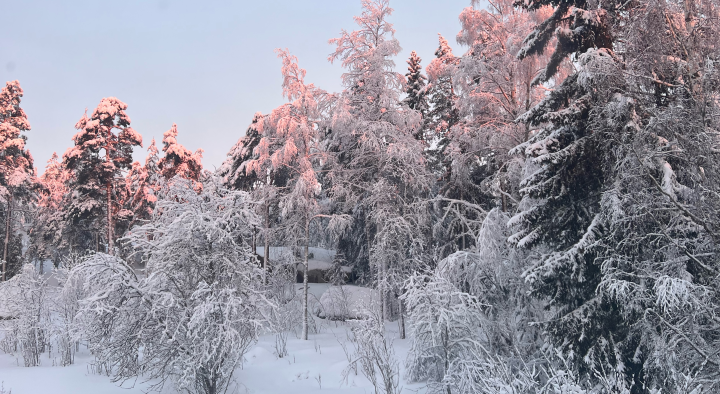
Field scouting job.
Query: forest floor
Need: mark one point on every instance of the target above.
(312, 366)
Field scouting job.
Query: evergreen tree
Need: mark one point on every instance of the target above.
(234, 168)
(96, 189)
(612, 196)
(237, 176)
(443, 114)
(16, 170)
(178, 160)
(416, 83)
(143, 183)
(45, 234)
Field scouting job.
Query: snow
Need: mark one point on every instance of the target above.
(74, 379)
(345, 302)
(310, 365)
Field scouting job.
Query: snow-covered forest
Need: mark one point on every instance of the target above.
(538, 214)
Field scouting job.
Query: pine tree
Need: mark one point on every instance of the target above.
(178, 160)
(44, 236)
(16, 168)
(97, 162)
(416, 84)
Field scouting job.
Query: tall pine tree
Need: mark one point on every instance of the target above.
(16, 168)
(102, 153)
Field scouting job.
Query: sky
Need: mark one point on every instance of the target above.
(206, 65)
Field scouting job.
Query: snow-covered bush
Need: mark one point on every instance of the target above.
(374, 353)
(65, 306)
(444, 327)
(26, 329)
(346, 302)
(198, 307)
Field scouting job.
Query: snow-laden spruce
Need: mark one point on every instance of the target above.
(191, 315)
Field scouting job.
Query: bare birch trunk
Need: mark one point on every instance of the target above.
(8, 217)
(109, 219)
(305, 282)
(266, 258)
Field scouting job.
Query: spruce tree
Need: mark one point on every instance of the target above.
(612, 193)
(443, 113)
(143, 183)
(234, 168)
(416, 84)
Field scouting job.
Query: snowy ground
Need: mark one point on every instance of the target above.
(312, 366)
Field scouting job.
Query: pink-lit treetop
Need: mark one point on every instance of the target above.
(293, 132)
(367, 55)
(179, 160)
(16, 163)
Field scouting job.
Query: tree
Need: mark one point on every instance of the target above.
(234, 168)
(142, 184)
(378, 164)
(416, 87)
(443, 114)
(16, 163)
(45, 234)
(617, 160)
(97, 162)
(26, 299)
(493, 87)
(178, 160)
(443, 326)
(191, 319)
(295, 128)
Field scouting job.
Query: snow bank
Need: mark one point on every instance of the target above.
(345, 302)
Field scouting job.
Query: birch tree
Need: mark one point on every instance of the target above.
(378, 164)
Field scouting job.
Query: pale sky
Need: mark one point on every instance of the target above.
(206, 65)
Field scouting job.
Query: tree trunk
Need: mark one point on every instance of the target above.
(8, 217)
(502, 193)
(266, 258)
(305, 282)
(109, 219)
(401, 306)
(462, 224)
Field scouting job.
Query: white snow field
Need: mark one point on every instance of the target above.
(312, 366)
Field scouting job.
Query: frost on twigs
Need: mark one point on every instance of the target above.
(374, 353)
(199, 306)
(26, 329)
